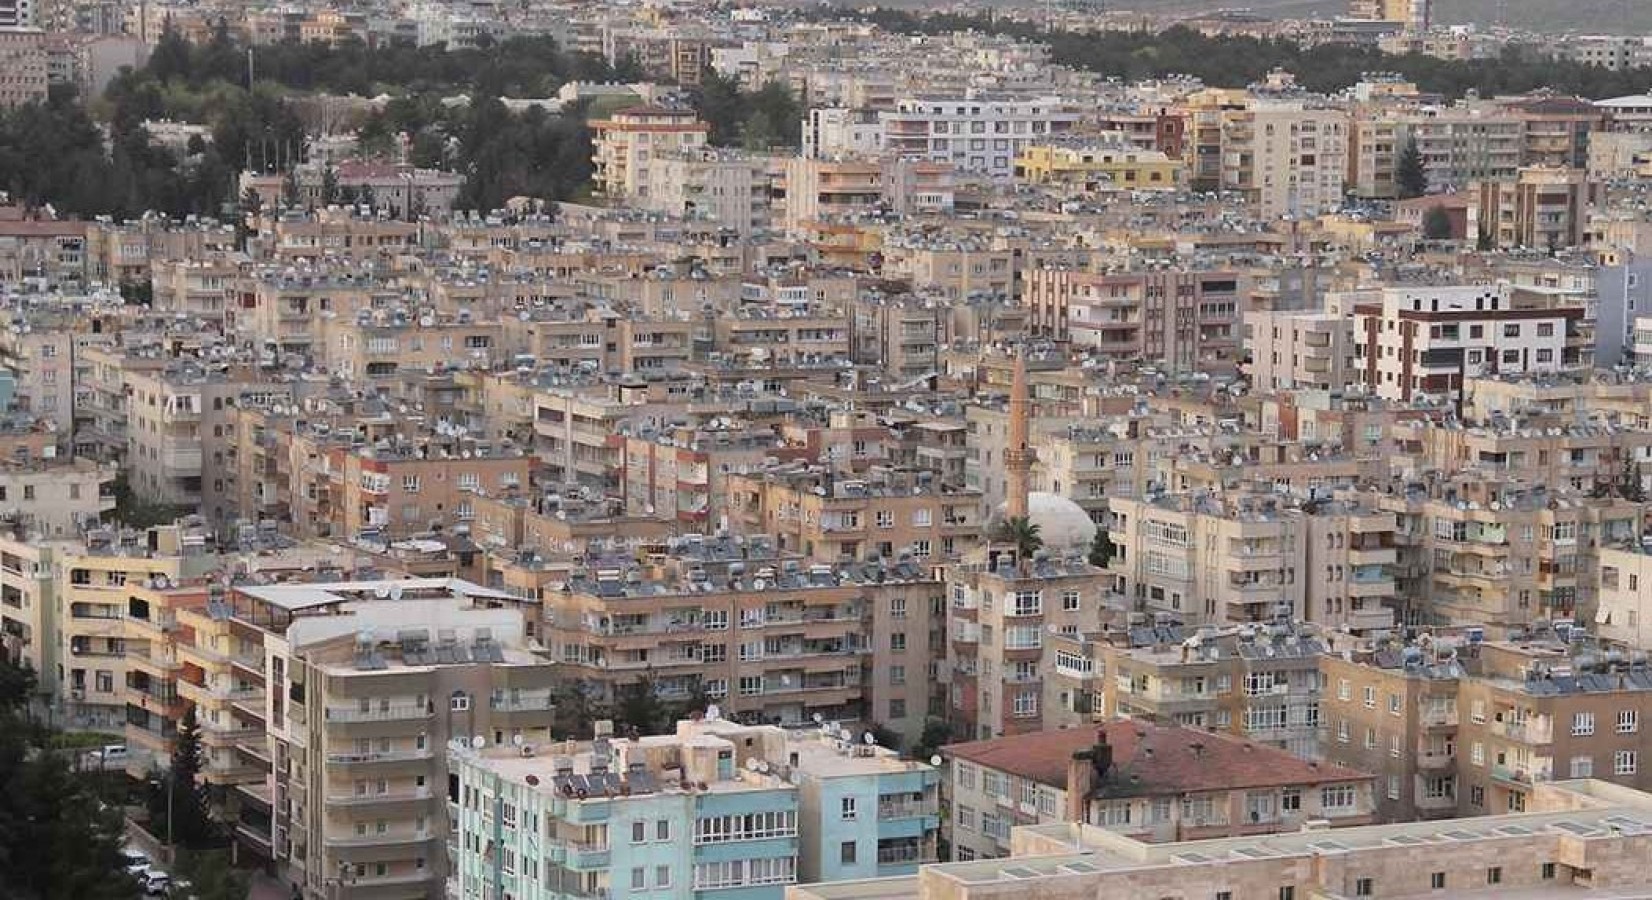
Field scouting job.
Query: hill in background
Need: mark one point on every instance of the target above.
(1553, 16)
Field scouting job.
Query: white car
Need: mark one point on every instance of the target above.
(135, 864)
(157, 884)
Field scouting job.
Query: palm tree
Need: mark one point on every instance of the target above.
(1023, 533)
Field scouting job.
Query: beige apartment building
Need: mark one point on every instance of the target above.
(1289, 351)
(766, 635)
(730, 188)
(1575, 838)
(398, 490)
(1184, 320)
(1257, 683)
(1501, 553)
(40, 357)
(1207, 560)
(99, 616)
(30, 613)
(880, 514)
(625, 141)
(1003, 612)
(346, 695)
(600, 340)
(1621, 609)
(1285, 159)
(1542, 207)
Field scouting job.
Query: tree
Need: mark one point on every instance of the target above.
(1409, 175)
(1101, 549)
(1437, 224)
(329, 186)
(56, 838)
(178, 805)
(289, 189)
(1024, 534)
(936, 734)
(211, 875)
(573, 710)
(640, 706)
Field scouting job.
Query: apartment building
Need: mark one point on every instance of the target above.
(1620, 612)
(1257, 683)
(1575, 836)
(715, 809)
(1153, 783)
(1391, 709)
(1376, 140)
(881, 514)
(1292, 350)
(1001, 612)
(23, 57)
(395, 489)
(98, 615)
(30, 613)
(1100, 167)
(735, 190)
(40, 358)
(979, 134)
(359, 688)
(683, 475)
(1183, 320)
(804, 644)
(838, 131)
(1285, 159)
(1462, 145)
(1208, 561)
(1413, 15)
(625, 141)
(1541, 207)
(1427, 340)
(1500, 552)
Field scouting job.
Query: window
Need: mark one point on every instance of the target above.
(1363, 887)
(639, 832)
(1026, 704)
(459, 702)
(1437, 881)
(1337, 797)
(1290, 800)
(966, 818)
(662, 829)
(847, 809)
(846, 853)
(1069, 601)
(897, 607)
(1628, 721)
(1028, 603)
(897, 641)
(1623, 762)
(1288, 892)
(1583, 766)
(1546, 870)
(662, 876)
(1343, 689)
(1494, 875)
(897, 674)
(410, 484)
(1511, 330)
(1476, 795)
(1370, 697)
(1394, 704)
(1583, 724)
(639, 878)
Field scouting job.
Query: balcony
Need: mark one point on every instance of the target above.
(586, 857)
(370, 757)
(388, 839)
(1529, 732)
(410, 795)
(1438, 717)
(1434, 760)
(394, 713)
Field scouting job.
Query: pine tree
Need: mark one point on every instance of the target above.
(1101, 549)
(640, 706)
(1437, 224)
(1409, 175)
(179, 810)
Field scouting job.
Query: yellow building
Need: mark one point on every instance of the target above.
(1100, 165)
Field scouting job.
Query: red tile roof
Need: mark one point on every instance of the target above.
(1151, 759)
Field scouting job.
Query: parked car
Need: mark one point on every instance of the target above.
(135, 863)
(157, 884)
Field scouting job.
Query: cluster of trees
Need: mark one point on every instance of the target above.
(180, 813)
(765, 119)
(56, 152)
(1238, 61)
(57, 838)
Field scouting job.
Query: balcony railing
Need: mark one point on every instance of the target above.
(386, 756)
(398, 712)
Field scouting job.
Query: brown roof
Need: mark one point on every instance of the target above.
(1151, 759)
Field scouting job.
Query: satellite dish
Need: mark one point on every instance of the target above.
(819, 718)
(517, 739)
(763, 767)
(478, 742)
(396, 592)
(935, 760)
(752, 764)
(381, 592)
(869, 738)
(713, 712)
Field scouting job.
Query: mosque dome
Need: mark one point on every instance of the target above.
(1062, 524)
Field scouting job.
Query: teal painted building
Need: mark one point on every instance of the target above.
(717, 811)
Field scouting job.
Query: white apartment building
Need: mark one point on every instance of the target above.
(1427, 340)
(975, 134)
(836, 131)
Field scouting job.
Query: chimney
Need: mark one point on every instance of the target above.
(1086, 772)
